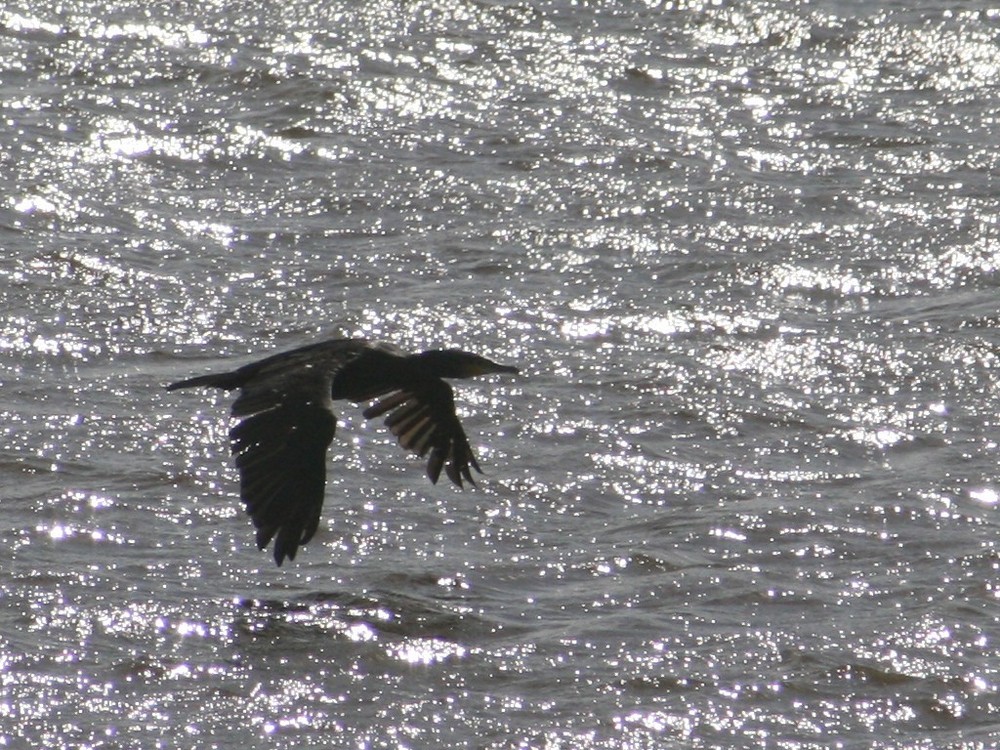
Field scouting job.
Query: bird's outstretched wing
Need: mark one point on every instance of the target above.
(286, 425)
(424, 421)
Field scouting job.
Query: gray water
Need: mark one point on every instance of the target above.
(745, 493)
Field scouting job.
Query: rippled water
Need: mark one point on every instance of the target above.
(745, 494)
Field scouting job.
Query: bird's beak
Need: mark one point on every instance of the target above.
(488, 368)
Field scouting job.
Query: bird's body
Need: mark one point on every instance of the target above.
(287, 421)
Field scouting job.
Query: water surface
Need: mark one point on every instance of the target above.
(745, 494)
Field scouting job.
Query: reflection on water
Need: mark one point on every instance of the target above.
(744, 253)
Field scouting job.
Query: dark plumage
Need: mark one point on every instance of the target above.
(285, 408)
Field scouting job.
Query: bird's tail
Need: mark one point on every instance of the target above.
(225, 380)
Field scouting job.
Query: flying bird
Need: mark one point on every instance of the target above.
(286, 422)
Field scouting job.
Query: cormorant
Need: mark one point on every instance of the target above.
(285, 408)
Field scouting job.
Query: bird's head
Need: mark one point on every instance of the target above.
(454, 363)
